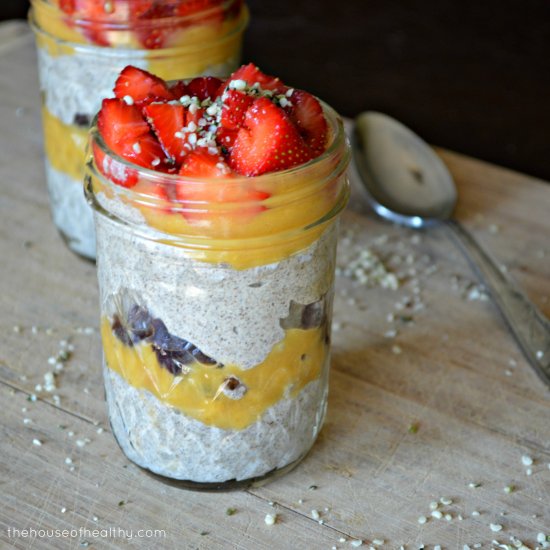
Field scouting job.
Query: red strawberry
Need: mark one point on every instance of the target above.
(124, 130)
(167, 120)
(144, 151)
(142, 8)
(202, 164)
(118, 122)
(226, 190)
(152, 35)
(193, 115)
(307, 114)
(267, 142)
(212, 10)
(179, 89)
(204, 87)
(114, 170)
(226, 138)
(68, 6)
(141, 86)
(234, 108)
(251, 74)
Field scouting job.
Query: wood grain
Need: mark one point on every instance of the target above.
(459, 378)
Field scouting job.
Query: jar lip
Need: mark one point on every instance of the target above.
(111, 24)
(336, 145)
(242, 19)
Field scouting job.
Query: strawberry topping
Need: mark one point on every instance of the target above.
(307, 114)
(204, 87)
(126, 132)
(251, 74)
(267, 142)
(234, 108)
(167, 120)
(140, 87)
(249, 125)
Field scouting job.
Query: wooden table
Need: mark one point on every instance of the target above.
(437, 403)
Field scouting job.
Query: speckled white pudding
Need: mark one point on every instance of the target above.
(167, 442)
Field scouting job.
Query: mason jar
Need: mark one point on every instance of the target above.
(216, 312)
(81, 53)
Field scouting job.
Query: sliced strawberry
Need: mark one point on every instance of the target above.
(226, 139)
(234, 108)
(179, 89)
(307, 114)
(153, 35)
(92, 19)
(202, 164)
(251, 74)
(209, 194)
(67, 6)
(193, 115)
(207, 11)
(144, 151)
(124, 130)
(118, 122)
(204, 87)
(114, 170)
(141, 86)
(142, 8)
(267, 142)
(167, 121)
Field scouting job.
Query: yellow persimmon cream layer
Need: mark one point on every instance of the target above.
(289, 367)
(65, 145)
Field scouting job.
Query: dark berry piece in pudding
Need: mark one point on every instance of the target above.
(140, 323)
(119, 330)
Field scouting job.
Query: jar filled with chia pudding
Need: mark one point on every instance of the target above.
(83, 45)
(216, 304)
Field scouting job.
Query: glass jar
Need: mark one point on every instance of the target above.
(80, 55)
(216, 312)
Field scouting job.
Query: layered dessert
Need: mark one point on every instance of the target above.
(83, 45)
(215, 206)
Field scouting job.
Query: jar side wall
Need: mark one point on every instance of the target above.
(245, 321)
(73, 82)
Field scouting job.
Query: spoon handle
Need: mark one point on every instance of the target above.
(527, 323)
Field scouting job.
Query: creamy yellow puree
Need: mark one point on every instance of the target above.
(65, 145)
(292, 363)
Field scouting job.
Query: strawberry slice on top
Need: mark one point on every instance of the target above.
(267, 142)
(251, 74)
(234, 108)
(204, 87)
(200, 163)
(136, 86)
(167, 121)
(125, 131)
(307, 114)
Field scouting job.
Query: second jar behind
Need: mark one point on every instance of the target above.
(82, 47)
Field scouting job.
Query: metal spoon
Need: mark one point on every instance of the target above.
(407, 183)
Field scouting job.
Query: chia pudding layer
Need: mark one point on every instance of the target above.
(71, 214)
(231, 314)
(145, 429)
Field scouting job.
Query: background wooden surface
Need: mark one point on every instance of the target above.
(470, 76)
(452, 372)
